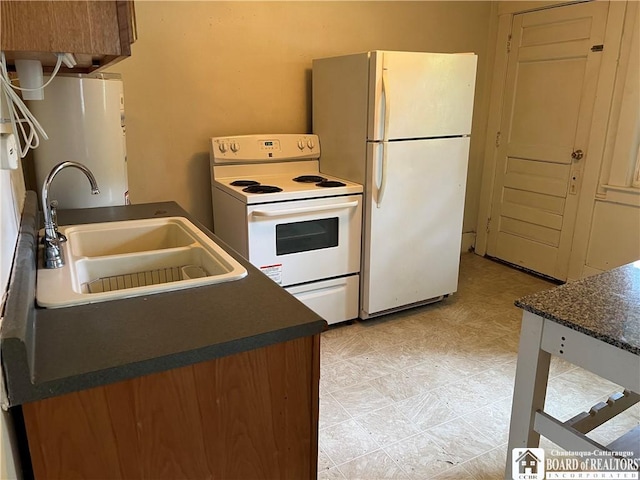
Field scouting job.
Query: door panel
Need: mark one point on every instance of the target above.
(539, 233)
(567, 29)
(517, 206)
(540, 177)
(412, 239)
(550, 88)
(544, 128)
(536, 255)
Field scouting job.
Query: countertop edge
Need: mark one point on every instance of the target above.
(605, 306)
(592, 333)
(19, 327)
(19, 312)
(30, 392)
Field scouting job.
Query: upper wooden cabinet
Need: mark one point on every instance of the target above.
(97, 33)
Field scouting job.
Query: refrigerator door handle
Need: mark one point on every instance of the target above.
(387, 103)
(383, 176)
(385, 134)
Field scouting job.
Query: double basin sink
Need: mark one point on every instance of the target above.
(113, 260)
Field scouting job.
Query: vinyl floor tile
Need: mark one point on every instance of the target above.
(398, 386)
(387, 425)
(492, 421)
(455, 473)
(421, 456)
(331, 474)
(345, 441)
(324, 462)
(331, 412)
(460, 440)
(489, 465)
(346, 346)
(374, 465)
(426, 410)
(426, 393)
(360, 399)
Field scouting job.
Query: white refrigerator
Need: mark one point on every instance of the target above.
(399, 123)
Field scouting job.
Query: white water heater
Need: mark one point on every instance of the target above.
(83, 116)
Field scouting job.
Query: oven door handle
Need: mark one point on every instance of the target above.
(295, 211)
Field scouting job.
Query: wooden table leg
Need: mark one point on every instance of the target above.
(530, 389)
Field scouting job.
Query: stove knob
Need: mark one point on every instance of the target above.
(222, 146)
(311, 143)
(301, 144)
(235, 147)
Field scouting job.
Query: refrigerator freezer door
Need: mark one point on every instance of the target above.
(412, 237)
(420, 95)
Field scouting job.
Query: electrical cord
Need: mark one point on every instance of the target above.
(19, 114)
(53, 75)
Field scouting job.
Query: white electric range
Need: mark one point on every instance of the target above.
(300, 227)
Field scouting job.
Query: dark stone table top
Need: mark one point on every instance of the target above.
(605, 306)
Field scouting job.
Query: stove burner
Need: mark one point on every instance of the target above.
(261, 189)
(309, 179)
(244, 183)
(330, 183)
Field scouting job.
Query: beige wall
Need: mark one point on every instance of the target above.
(202, 69)
(616, 225)
(614, 229)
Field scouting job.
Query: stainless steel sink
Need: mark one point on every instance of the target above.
(107, 261)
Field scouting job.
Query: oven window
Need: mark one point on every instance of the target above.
(305, 236)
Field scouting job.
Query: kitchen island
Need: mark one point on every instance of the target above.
(218, 380)
(593, 323)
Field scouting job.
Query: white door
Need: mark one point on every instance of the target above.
(552, 75)
(420, 95)
(413, 233)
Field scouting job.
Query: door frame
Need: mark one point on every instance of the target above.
(595, 147)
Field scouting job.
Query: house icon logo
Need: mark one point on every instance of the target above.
(527, 464)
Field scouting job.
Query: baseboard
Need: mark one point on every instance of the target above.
(590, 271)
(468, 242)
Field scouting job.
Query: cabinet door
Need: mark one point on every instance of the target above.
(97, 33)
(251, 415)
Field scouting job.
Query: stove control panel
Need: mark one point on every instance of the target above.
(264, 148)
(269, 145)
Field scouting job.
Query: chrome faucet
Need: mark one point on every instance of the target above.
(53, 257)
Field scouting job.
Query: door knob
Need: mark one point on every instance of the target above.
(577, 154)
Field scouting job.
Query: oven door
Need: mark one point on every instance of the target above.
(306, 240)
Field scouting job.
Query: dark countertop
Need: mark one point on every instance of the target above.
(605, 306)
(49, 352)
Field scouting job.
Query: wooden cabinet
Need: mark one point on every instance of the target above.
(97, 33)
(250, 415)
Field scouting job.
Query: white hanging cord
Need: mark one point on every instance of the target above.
(19, 114)
(53, 75)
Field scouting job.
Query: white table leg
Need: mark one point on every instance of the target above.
(530, 389)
